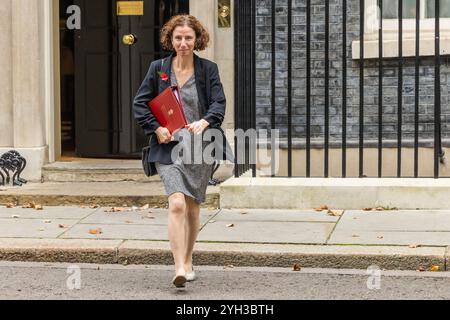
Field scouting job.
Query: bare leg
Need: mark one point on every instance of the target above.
(192, 228)
(177, 218)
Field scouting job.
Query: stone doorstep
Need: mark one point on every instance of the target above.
(99, 193)
(212, 200)
(106, 170)
(96, 175)
(224, 254)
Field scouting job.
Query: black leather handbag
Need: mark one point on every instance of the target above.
(149, 167)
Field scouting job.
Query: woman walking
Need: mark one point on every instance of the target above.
(185, 180)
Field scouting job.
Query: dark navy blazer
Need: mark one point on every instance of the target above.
(211, 98)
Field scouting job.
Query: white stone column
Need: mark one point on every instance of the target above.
(28, 86)
(49, 30)
(224, 55)
(6, 101)
(27, 77)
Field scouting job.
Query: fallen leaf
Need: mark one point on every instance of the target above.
(94, 206)
(390, 209)
(211, 221)
(62, 226)
(333, 213)
(10, 205)
(95, 231)
(231, 225)
(420, 269)
(380, 237)
(27, 206)
(434, 268)
(379, 208)
(414, 245)
(243, 212)
(355, 236)
(367, 209)
(38, 207)
(297, 267)
(116, 209)
(15, 216)
(322, 208)
(47, 221)
(128, 221)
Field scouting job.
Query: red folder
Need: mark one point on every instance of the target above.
(168, 109)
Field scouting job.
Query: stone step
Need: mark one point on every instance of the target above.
(336, 193)
(107, 170)
(115, 194)
(95, 170)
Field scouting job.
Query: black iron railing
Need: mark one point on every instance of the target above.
(245, 86)
(12, 165)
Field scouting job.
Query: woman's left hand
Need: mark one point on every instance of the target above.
(198, 127)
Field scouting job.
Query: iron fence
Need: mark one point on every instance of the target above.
(245, 86)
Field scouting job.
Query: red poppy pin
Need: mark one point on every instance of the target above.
(163, 76)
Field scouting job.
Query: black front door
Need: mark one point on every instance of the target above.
(109, 70)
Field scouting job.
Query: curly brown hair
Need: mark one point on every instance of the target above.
(202, 36)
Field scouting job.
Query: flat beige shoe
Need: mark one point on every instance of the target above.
(179, 281)
(191, 276)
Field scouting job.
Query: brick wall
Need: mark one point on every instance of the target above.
(390, 105)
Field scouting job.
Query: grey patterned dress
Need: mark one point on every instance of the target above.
(187, 174)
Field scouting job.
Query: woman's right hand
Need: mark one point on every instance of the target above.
(163, 135)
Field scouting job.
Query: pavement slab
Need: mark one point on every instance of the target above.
(266, 232)
(143, 217)
(393, 228)
(401, 220)
(276, 215)
(47, 212)
(392, 238)
(34, 228)
(356, 239)
(117, 231)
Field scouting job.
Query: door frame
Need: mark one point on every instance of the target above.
(52, 91)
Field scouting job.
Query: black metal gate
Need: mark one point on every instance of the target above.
(245, 83)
